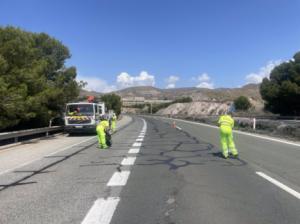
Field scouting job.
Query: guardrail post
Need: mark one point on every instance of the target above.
(254, 123)
(50, 125)
(16, 139)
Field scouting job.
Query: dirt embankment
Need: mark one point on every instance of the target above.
(195, 108)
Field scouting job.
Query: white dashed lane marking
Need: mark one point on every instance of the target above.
(128, 161)
(102, 211)
(137, 144)
(134, 150)
(119, 178)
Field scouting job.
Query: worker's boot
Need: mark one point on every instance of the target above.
(225, 155)
(234, 153)
(104, 147)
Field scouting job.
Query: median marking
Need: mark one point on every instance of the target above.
(102, 211)
(279, 184)
(137, 144)
(119, 178)
(134, 150)
(128, 161)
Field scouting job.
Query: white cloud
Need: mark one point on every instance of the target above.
(125, 80)
(262, 73)
(203, 78)
(207, 85)
(204, 81)
(170, 86)
(171, 81)
(97, 84)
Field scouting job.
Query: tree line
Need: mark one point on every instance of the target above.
(35, 84)
(280, 91)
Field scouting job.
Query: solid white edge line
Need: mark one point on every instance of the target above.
(241, 132)
(128, 161)
(119, 178)
(35, 160)
(139, 139)
(179, 128)
(134, 150)
(279, 184)
(102, 211)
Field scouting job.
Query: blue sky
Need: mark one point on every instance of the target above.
(166, 43)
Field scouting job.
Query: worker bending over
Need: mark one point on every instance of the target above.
(101, 129)
(226, 124)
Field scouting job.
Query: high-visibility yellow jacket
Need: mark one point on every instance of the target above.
(226, 120)
(103, 125)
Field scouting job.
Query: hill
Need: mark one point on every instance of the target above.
(198, 94)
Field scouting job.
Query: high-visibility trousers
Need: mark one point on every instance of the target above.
(101, 136)
(227, 142)
(113, 126)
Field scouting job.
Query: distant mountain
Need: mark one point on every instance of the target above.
(83, 93)
(198, 94)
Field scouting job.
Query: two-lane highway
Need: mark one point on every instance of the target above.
(180, 177)
(157, 174)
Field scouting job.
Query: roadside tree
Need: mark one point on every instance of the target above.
(281, 91)
(34, 81)
(242, 103)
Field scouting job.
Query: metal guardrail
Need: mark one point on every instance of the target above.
(17, 134)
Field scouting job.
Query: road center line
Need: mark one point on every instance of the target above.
(279, 184)
(119, 178)
(134, 150)
(128, 161)
(137, 144)
(102, 211)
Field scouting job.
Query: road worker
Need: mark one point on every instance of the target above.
(113, 122)
(226, 124)
(101, 129)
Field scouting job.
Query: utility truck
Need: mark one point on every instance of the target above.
(83, 117)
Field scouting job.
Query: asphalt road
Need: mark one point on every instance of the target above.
(158, 174)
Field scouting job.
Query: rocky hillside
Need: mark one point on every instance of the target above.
(195, 109)
(198, 94)
(205, 101)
